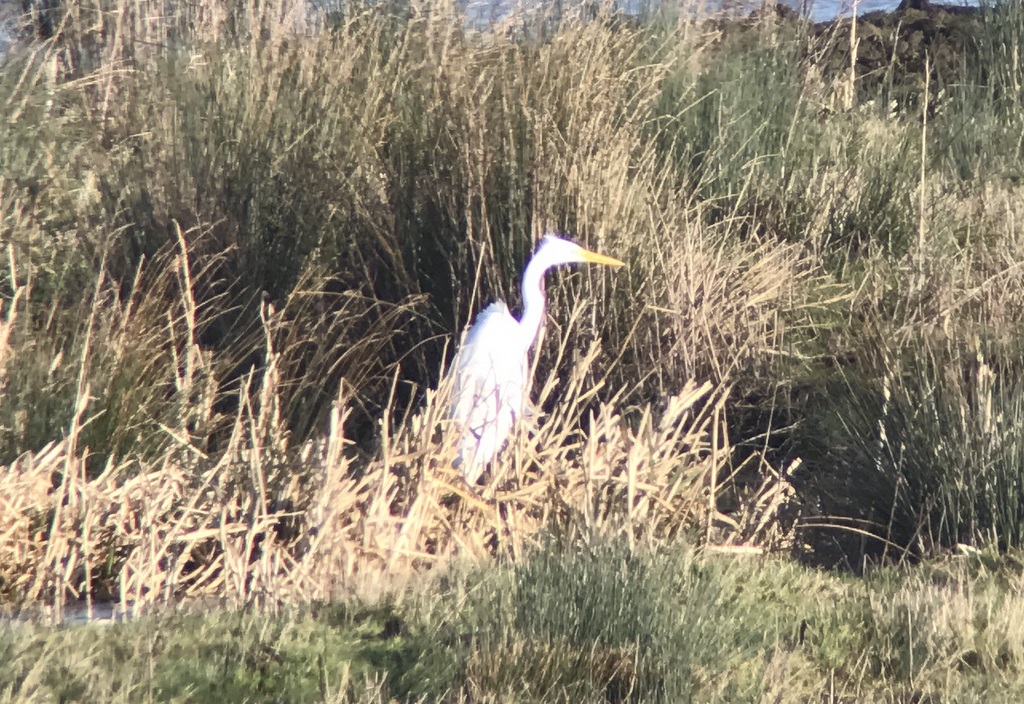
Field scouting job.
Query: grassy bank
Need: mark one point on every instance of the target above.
(571, 625)
(240, 248)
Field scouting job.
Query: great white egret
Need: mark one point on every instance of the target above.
(490, 385)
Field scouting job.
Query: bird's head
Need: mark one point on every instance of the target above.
(554, 251)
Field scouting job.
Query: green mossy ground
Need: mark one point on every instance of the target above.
(570, 625)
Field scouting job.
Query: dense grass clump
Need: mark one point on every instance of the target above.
(587, 624)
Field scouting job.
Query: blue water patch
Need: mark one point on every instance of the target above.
(825, 10)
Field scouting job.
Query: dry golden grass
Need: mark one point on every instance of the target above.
(269, 520)
(263, 520)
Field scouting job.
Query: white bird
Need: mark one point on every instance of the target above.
(490, 385)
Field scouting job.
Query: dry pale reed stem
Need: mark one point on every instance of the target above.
(922, 223)
(851, 89)
(6, 327)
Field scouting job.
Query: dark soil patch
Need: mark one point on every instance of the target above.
(894, 49)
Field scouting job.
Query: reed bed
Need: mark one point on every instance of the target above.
(242, 240)
(267, 522)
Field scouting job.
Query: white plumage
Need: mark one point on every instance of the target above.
(491, 385)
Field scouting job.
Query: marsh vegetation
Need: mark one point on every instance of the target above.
(239, 250)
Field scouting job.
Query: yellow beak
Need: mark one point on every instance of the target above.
(595, 258)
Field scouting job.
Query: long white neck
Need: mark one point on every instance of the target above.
(533, 299)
